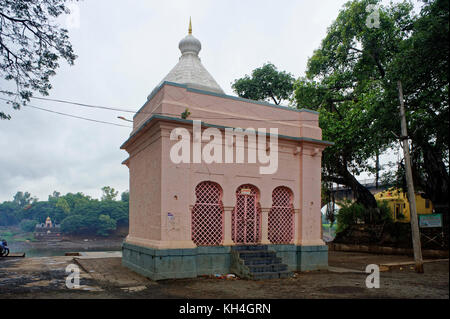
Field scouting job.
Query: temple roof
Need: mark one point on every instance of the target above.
(189, 70)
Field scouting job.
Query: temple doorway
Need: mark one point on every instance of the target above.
(246, 217)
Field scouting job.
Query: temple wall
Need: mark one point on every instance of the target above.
(171, 101)
(145, 188)
(162, 193)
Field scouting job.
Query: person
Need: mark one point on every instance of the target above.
(4, 250)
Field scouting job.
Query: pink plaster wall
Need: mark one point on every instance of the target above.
(162, 193)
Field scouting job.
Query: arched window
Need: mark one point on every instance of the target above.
(207, 215)
(281, 216)
(246, 217)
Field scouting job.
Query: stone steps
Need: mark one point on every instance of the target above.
(267, 268)
(262, 261)
(272, 275)
(258, 263)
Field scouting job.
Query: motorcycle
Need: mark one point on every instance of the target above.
(4, 250)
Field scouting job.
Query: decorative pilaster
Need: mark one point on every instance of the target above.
(265, 226)
(227, 238)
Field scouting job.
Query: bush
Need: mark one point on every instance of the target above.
(8, 214)
(353, 213)
(72, 224)
(106, 225)
(28, 225)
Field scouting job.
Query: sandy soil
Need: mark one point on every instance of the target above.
(44, 277)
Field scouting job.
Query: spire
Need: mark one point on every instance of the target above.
(189, 69)
(190, 26)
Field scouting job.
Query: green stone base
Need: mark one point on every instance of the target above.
(158, 264)
(312, 258)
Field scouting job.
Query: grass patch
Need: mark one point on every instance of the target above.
(16, 236)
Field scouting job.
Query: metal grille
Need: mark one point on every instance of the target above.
(246, 217)
(207, 215)
(281, 217)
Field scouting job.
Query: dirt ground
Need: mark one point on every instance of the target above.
(45, 277)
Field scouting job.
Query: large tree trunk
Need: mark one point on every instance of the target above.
(437, 182)
(361, 194)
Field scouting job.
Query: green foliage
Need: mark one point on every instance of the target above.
(39, 211)
(345, 84)
(73, 224)
(266, 83)
(352, 213)
(63, 205)
(352, 81)
(31, 45)
(422, 65)
(28, 225)
(125, 196)
(74, 200)
(8, 211)
(109, 193)
(349, 214)
(22, 199)
(77, 213)
(106, 225)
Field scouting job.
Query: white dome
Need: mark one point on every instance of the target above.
(190, 44)
(189, 70)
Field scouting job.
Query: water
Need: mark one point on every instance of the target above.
(57, 250)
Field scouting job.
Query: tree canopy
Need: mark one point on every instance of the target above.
(352, 81)
(77, 213)
(266, 83)
(31, 45)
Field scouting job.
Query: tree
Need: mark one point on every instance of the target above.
(106, 225)
(109, 193)
(125, 196)
(75, 200)
(22, 199)
(8, 214)
(346, 82)
(63, 205)
(39, 211)
(266, 83)
(31, 45)
(77, 213)
(28, 225)
(54, 196)
(422, 67)
(72, 224)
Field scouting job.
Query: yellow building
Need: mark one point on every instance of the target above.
(399, 205)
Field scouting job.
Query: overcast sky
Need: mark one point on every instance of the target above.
(124, 49)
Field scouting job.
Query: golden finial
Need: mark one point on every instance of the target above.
(190, 26)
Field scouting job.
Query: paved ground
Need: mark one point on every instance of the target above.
(106, 278)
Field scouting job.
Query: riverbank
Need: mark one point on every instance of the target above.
(106, 278)
(42, 249)
(20, 241)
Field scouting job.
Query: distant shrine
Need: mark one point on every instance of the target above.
(204, 195)
(47, 231)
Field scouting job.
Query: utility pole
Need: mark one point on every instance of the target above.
(377, 168)
(409, 182)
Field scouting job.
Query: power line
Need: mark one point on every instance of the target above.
(71, 115)
(74, 103)
(146, 112)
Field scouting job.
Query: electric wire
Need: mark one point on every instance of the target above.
(156, 113)
(71, 115)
